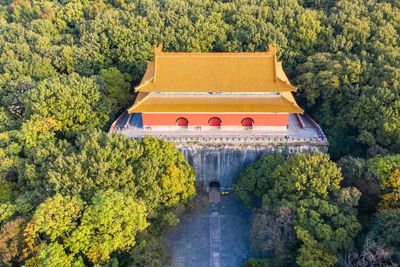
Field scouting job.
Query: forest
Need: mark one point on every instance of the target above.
(71, 195)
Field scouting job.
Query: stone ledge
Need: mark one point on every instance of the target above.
(241, 140)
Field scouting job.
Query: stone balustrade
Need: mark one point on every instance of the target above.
(247, 140)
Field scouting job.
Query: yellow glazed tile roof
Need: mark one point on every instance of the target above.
(215, 103)
(215, 72)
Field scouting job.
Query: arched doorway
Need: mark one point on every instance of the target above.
(214, 196)
(214, 122)
(247, 122)
(214, 184)
(182, 122)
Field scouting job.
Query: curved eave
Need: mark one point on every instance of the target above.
(140, 97)
(147, 87)
(214, 103)
(288, 96)
(278, 86)
(148, 77)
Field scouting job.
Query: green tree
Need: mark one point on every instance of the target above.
(76, 103)
(325, 221)
(312, 253)
(153, 170)
(54, 254)
(386, 170)
(254, 180)
(322, 225)
(65, 67)
(163, 176)
(253, 262)
(64, 227)
(303, 176)
(377, 178)
(385, 230)
(151, 250)
(118, 88)
(38, 132)
(110, 223)
(9, 157)
(358, 105)
(391, 199)
(96, 161)
(55, 218)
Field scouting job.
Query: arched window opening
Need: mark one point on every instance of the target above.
(182, 122)
(215, 122)
(247, 122)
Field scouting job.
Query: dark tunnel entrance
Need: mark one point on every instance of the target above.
(214, 185)
(214, 196)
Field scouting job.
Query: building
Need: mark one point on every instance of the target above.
(221, 110)
(204, 91)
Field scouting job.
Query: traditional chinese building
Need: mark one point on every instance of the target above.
(245, 97)
(202, 91)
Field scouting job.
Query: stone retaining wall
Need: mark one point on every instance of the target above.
(222, 162)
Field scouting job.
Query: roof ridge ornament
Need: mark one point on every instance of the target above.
(158, 50)
(272, 49)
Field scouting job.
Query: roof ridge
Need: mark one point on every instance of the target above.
(158, 52)
(163, 54)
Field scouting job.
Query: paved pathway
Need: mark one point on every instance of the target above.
(217, 237)
(214, 195)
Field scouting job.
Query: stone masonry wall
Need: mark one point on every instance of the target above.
(222, 163)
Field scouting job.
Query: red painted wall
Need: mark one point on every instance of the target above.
(227, 119)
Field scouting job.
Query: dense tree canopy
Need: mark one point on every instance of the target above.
(255, 181)
(385, 230)
(377, 178)
(151, 169)
(352, 86)
(304, 202)
(73, 228)
(344, 55)
(67, 69)
(94, 195)
(75, 103)
(324, 220)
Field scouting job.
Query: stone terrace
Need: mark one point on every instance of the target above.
(302, 130)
